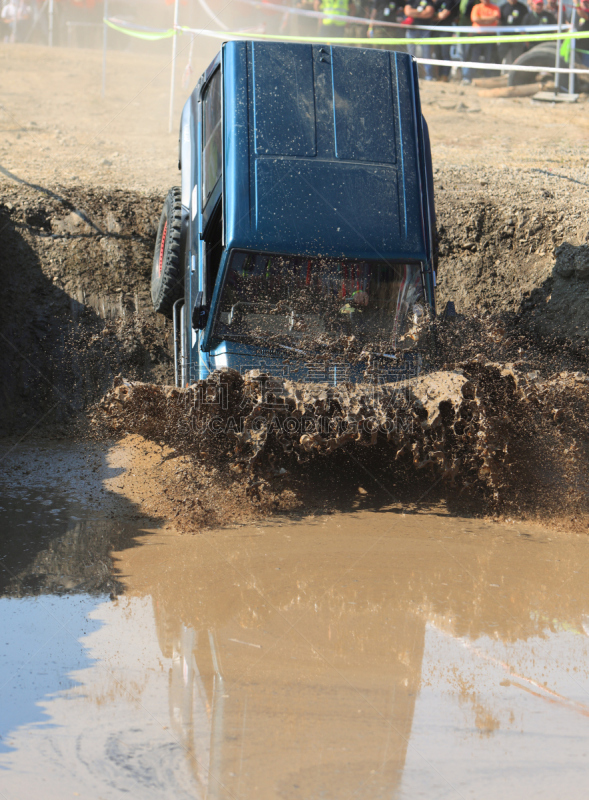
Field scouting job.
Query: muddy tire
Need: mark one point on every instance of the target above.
(167, 275)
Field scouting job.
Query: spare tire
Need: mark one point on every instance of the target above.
(167, 275)
(543, 55)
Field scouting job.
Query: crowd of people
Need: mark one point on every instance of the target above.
(417, 17)
(414, 20)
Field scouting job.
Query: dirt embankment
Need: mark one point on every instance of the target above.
(514, 243)
(76, 310)
(75, 266)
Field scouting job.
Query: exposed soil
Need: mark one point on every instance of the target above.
(515, 241)
(75, 268)
(336, 632)
(57, 128)
(517, 442)
(78, 226)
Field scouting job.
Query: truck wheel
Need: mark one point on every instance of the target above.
(167, 276)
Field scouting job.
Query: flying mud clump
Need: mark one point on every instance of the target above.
(519, 440)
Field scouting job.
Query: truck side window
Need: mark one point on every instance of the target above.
(214, 249)
(211, 136)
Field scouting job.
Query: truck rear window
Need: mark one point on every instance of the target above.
(316, 301)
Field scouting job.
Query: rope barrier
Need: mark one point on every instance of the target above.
(154, 34)
(263, 6)
(139, 31)
(475, 39)
(507, 67)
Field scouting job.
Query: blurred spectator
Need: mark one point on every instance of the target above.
(466, 7)
(360, 8)
(333, 27)
(484, 15)
(303, 25)
(421, 12)
(463, 50)
(386, 11)
(537, 15)
(447, 13)
(15, 15)
(512, 13)
(582, 24)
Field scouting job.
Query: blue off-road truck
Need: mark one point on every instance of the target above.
(301, 241)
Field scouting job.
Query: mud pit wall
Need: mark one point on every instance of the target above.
(76, 310)
(514, 241)
(75, 267)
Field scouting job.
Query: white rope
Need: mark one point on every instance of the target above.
(506, 67)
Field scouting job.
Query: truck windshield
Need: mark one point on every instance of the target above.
(315, 301)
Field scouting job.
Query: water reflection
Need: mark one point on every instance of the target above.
(49, 546)
(36, 659)
(55, 569)
(360, 655)
(301, 655)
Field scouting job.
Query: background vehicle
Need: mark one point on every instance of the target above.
(544, 55)
(305, 224)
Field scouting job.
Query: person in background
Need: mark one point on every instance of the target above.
(567, 8)
(421, 12)
(513, 13)
(582, 24)
(9, 19)
(484, 15)
(386, 11)
(362, 9)
(465, 10)
(538, 15)
(333, 26)
(303, 25)
(16, 15)
(447, 13)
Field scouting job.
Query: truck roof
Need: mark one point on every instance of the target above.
(323, 150)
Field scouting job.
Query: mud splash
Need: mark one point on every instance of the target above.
(512, 438)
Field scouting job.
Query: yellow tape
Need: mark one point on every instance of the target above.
(480, 39)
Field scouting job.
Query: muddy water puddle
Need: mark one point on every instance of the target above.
(360, 655)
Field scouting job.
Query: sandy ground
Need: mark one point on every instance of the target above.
(56, 127)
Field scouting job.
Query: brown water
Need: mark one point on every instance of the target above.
(360, 655)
